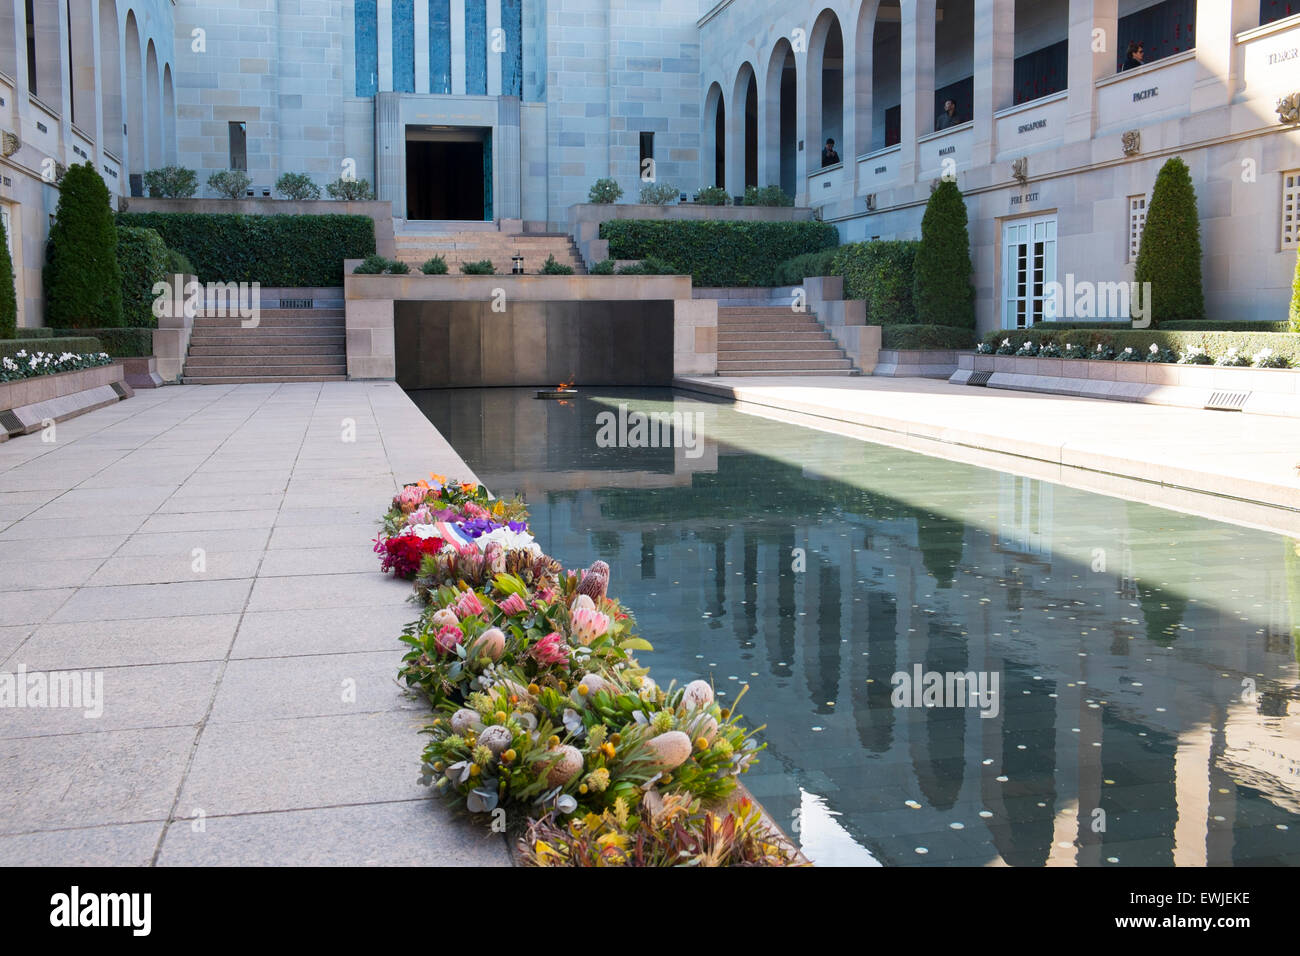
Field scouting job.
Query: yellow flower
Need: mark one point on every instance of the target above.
(701, 744)
(608, 750)
(500, 716)
(534, 689)
(509, 756)
(546, 855)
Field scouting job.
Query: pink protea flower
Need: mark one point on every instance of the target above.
(468, 605)
(595, 581)
(473, 510)
(512, 605)
(589, 625)
(410, 498)
(550, 650)
(544, 596)
(448, 639)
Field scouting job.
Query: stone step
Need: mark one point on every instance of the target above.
(803, 364)
(212, 350)
(772, 328)
(256, 338)
(270, 320)
(789, 357)
(811, 335)
(744, 373)
(264, 361)
(276, 371)
(259, 379)
(823, 345)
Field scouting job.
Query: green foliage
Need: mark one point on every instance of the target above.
(119, 343)
(78, 344)
(276, 251)
(142, 257)
(297, 186)
(649, 266)
(942, 292)
(602, 268)
(8, 296)
(179, 264)
(171, 182)
(349, 190)
(378, 265)
(483, 267)
(712, 196)
(926, 337)
(880, 273)
(1285, 345)
(553, 268)
(1295, 298)
(230, 183)
(83, 283)
(437, 266)
(45, 333)
(716, 253)
(659, 194)
(604, 191)
(809, 265)
(1170, 254)
(767, 196)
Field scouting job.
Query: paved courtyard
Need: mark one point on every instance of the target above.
(207, 549)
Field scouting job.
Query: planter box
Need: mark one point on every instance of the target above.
(141, 372)
(30, 403)
(917, 363)
(1267, 391)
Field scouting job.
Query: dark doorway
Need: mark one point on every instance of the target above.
(445, 177)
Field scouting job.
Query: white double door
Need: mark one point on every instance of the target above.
(1028, 266)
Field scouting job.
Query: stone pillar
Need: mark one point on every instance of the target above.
(1218, 62)
(1093, 37)
(849, 117)
(370, 337)
(390, 152)
(98, 132)
(864, 65)
(421, 47)
(695, 337)
(995, 47)
(805, 141)
(506, 149)
(917, 84)
(458, 66)
(384, 29)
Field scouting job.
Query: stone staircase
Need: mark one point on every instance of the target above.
(476, 245)
(300, 338)
(774, 340)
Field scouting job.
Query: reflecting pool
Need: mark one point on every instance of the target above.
(1140, 665)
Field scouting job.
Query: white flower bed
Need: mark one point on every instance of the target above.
(24, 364)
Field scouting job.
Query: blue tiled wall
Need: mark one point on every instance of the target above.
(476, 47)
(512, 66)
(439, 46)
(367, 47)
(403, 46)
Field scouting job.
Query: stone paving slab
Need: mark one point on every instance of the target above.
(258, 685)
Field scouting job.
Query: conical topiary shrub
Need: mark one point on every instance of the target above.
(8, 297)
(1295, 297)
(1169, 257)
(83, 284)
(942, 291)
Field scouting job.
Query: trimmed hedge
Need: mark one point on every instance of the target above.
(276, 251)
(1285, 344)
(881, 273)
(1174, 325)
(142, 257)
(942, 289)
(78, 344)
(809, 265)
(8, 297)
(718, 254)
(83, 283)
(119, 343)
(1169, 256)
(926, 337)
(42, 333)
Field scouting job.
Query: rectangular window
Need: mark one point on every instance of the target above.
(1272, 10)
(1291, 210)
(239, 146)
(1137, 220)
(403, 46)
(1162, 30)
(647, 166)
(1028, 269)
(1042, 72)
(31, 49)
(512, 62)
(476, 47)
(366, 29)
(440, 46)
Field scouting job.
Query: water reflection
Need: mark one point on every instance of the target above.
(1146, 659)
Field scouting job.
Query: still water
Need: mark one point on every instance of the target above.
(1146, 708)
